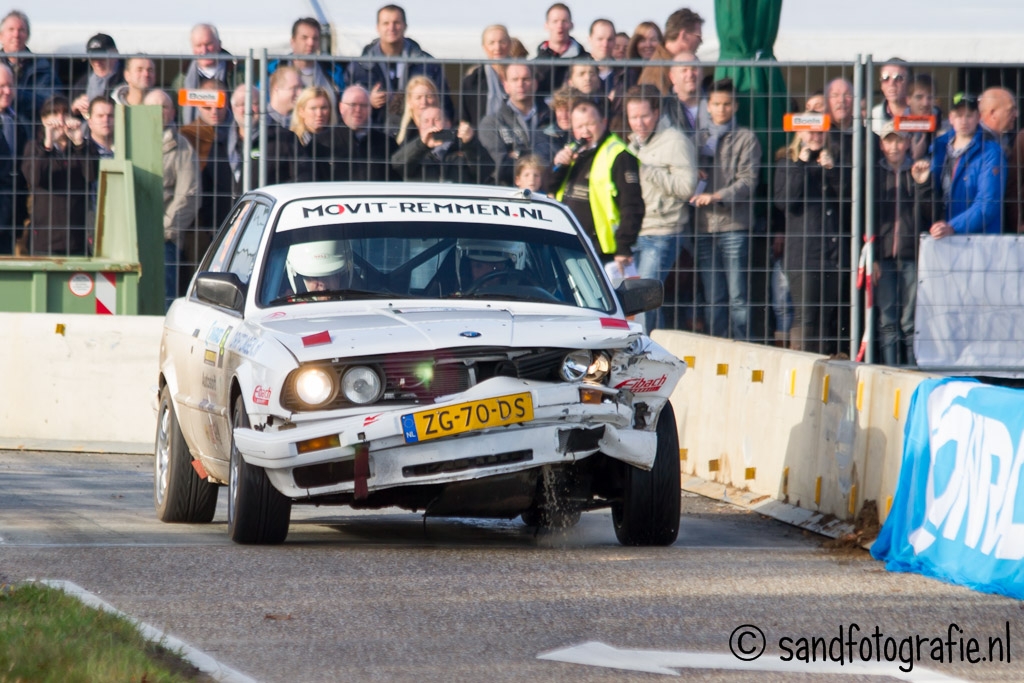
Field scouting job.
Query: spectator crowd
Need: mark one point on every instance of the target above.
(650, 159)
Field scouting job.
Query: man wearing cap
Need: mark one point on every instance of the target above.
(903, 209)
(35, 76)
(104, 75)
(968, 170)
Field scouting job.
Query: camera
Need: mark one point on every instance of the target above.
(814, 154)
(445, 135)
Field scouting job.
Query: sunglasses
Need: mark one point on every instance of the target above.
(899, 78)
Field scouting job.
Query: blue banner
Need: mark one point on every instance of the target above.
(958, 512)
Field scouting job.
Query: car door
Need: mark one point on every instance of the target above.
(192, 329)
(219, 361)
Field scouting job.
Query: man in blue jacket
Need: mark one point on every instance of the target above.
(35, 76)
(393, 59)
(969, 171)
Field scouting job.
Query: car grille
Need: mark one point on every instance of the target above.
(422, 377)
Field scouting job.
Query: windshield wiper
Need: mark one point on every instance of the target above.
(336, 295)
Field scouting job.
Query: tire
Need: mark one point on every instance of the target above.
(257, 512)
(552, 510)
(179, 494)
(648, 513)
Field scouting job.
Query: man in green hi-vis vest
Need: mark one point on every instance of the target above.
(599, 180)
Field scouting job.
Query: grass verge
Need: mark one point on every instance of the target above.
(49, 636)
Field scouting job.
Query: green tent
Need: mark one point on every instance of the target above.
(746, 32)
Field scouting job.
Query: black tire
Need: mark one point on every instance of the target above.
(179, 494)
(257, 512)
(553, 508)
(649, 511)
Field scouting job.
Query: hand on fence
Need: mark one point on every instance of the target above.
(941, 229)
(921, 171)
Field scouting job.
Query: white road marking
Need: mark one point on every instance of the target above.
(665, 662)
(202, 661)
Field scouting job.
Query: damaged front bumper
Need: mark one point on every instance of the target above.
(369, 452)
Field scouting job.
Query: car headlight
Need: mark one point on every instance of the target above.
(361, 385)
(575, 365)
(598, 370)
(316, 386)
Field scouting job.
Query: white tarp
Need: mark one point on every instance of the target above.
(970, 303)
(938, 31)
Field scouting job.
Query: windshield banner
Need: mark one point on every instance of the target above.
(958, 512)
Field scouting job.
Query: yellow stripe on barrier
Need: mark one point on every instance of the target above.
(860, 396)
(785, 481)
(757, 376)
(888, 505)
(690, 361)
(723, 369)
(896, 405)
(750, 473)
(824, 390)
(713, 465)
(853, 500)
(792, 382)
(682, 454)
(817, 491)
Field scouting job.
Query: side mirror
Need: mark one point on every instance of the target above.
(221, 289)
(638, 295)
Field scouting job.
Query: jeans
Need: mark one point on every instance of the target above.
(895, 294)
(172, 257)
(722, 262)
(654, 256)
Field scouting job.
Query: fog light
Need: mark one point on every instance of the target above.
(320, 443)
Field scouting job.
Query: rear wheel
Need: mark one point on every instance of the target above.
(257, 512)
(649, 511)
(179, 494)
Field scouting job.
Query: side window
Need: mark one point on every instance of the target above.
(227, 238)
(244, 257)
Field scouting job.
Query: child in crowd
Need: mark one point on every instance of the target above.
(530, 173)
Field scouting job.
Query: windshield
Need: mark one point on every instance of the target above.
(431, 260)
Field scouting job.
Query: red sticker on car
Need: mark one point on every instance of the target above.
(261, 396)
(617, 323)
(318, 338)
(642, 385)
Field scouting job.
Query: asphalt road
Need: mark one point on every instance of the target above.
(385, 596)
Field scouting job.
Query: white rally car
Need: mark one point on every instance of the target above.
(453, 349)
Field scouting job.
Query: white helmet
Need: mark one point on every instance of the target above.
(319, 260)
(490, 251)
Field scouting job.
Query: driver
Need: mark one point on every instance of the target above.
(476, 259)
(319, 266)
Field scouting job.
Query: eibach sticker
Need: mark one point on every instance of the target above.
(261, 396)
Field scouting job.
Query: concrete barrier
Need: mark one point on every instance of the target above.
(78, 382)
(794, 435)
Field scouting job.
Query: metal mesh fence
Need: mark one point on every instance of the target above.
(813, 214)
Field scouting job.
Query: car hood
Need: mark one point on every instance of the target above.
(339, 330)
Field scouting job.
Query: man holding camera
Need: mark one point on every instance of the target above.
(599, 180)
(442, 155)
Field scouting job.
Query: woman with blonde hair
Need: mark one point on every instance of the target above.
(420, 93)
(482, 91)
(314, 144)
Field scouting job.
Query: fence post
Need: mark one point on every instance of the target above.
(857, 209)
(870, 149)
(140, 140)
(264, 92)
(247, 126)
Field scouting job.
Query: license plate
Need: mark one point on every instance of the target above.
(467, 417)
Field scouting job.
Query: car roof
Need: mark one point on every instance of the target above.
(291, 191)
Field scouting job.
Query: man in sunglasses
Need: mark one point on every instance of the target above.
(894, 78)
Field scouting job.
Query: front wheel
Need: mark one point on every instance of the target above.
(648, 513)
(179, 494)
(257, 512)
